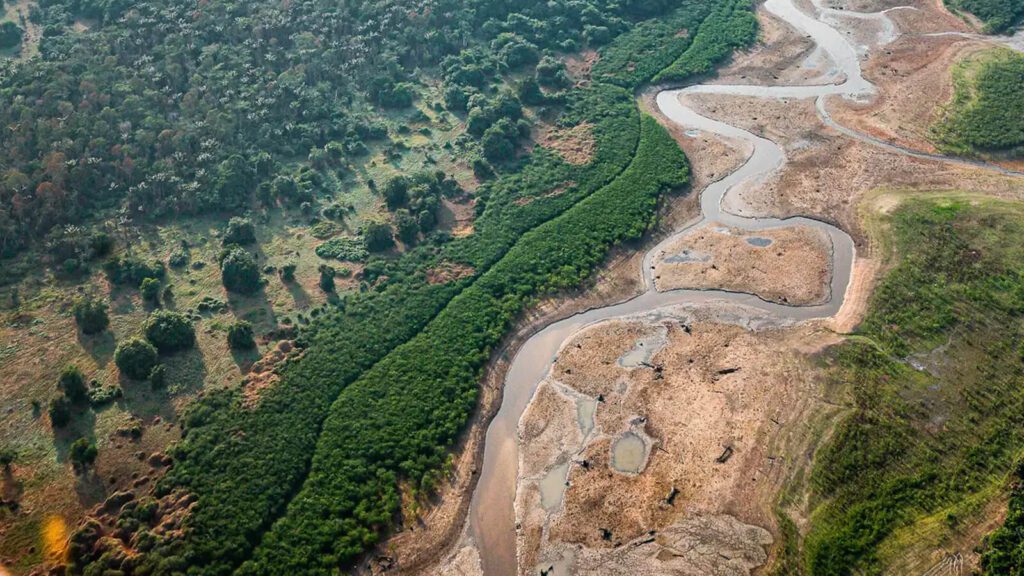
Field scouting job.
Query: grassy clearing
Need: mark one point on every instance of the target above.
(986, 114)
(935, 379)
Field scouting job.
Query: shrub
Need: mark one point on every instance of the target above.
(82, 454)
(170, 331)
(327, 274)
(288, 272)
(241, 336)
(90, 315)
(345, 249)
(60, 412)
(178, 258)
(135, 358)
(132, 270)
(72, 384)
(378, 236)
(239, 272)
(240, 231)
(101, 244)
(150, 289)
(396, 192)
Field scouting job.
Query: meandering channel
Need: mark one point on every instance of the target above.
(491, 515)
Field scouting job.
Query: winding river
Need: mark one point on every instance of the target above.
(491, 515)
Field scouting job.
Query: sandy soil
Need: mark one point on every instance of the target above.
(788, 265)
(782, 55)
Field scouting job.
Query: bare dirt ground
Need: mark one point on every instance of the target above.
(782, 55)
(711, 400)
(788, 265)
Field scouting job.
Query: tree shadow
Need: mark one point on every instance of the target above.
(245, 358)
(255, 308)
(11, 488)
(185, 373)
(99, 346)
(299, 295)
(88, 485)
(81, 425)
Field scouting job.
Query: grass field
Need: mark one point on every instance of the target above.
(986, 115)
(933, 380)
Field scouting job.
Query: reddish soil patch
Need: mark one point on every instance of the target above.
(263, 373)
(558, 191)
(457, 217)
(578, 67)
(446, 272)
(575, 145)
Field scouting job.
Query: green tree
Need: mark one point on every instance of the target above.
(135, 358)
(408, 227)
(82, 454)
(396, 192)
(10, 35)
(90, 315)
(7, 457)
(240, 231)
(239, 271)
(378, 236)
(170, 331)
(72, 384)
(288, 272)
(60, 412)
(235, 179)
(150, 289)
(327, 274)
(241, 336)
(499, 141)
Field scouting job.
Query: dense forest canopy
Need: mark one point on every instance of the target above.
(987, 110)
(176, 107)
(999, 16)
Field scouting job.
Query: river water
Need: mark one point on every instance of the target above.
(491, 515)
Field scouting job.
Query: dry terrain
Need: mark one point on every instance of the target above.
(789, 265)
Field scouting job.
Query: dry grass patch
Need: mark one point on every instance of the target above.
(575, 145)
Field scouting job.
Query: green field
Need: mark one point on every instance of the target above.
(935, 385)
(986, 114)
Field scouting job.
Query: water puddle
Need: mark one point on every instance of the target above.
(688, 256)
(759, 241)
(585, 410)
(645, 349)
(629, 454)
(552, 486)
(560, 566)
(693, 133)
